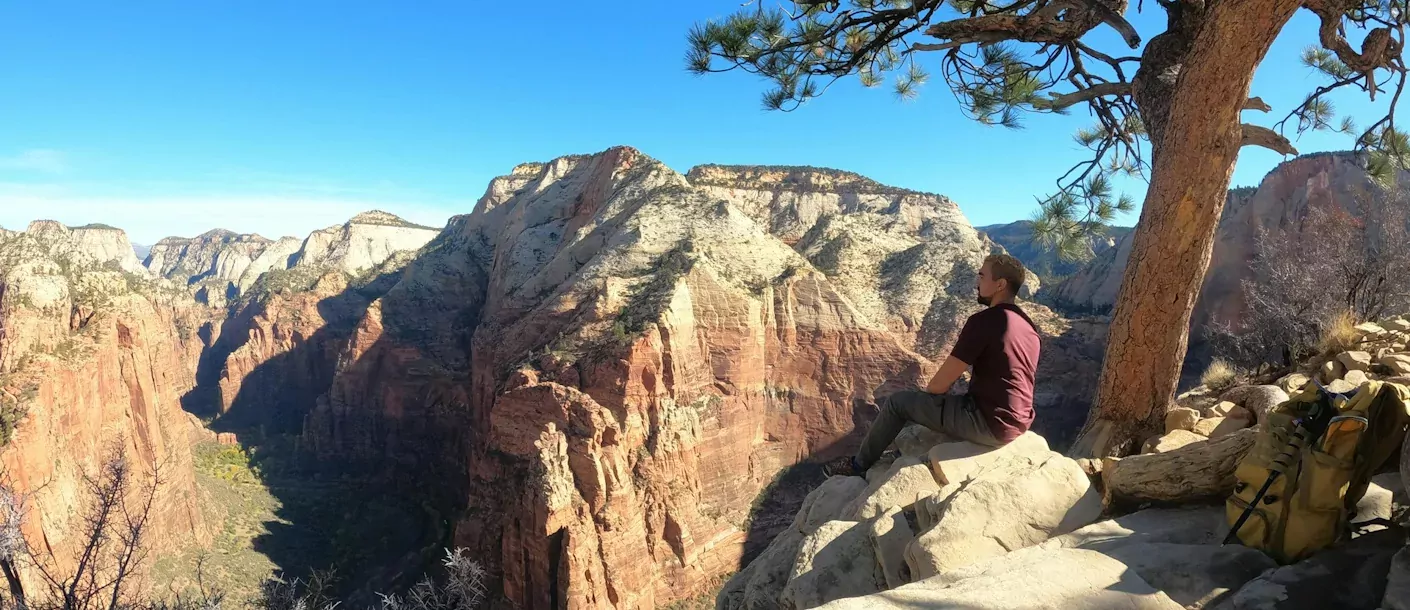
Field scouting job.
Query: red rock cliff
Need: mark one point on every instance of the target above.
(94, 361)
(610, 363)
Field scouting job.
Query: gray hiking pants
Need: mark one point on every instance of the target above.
(949, 414)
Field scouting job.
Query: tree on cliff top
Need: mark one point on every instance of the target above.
(1179, 101)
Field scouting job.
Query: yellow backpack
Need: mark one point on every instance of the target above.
(1322, 470)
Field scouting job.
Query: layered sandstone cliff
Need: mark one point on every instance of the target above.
(92, 366)
(610, 360)
(904, 258)
(221, 265)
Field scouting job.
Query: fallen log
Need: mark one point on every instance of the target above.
(1198, 472)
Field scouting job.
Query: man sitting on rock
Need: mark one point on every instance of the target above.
(1002, 344)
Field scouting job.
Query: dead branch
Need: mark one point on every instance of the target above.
(1257, 135)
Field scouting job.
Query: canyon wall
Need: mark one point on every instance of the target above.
(615, 359)
(594, 373)
(93, 365)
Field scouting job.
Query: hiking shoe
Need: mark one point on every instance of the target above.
(844, 466)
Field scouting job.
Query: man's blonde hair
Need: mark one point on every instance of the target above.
(1006, 267)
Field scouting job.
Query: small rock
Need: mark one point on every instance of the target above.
(908, 480)
(1376, 503)
(890, 535)
(1331, 370)
(1397, 595)
(1216, 427)
(1220, 410)
(1004, 510)
(1181, 418)
(1398, 324)
(1399, 364)
(1369, 329)
(1171, 441)
(226, 438)
(835, 562)
(1341, 386)
(1355, 378)
(1091, 466)
(1355, 361)
(1293, 383)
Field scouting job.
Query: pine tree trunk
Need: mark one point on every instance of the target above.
(1194, 124)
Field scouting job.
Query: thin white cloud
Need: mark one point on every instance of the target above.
(44, 160)
(148, 219)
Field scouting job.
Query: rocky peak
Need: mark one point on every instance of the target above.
(95, 243)
(362, 243)
(378, 217)
(788, 178)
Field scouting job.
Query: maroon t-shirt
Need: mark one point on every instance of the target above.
(1002, 345)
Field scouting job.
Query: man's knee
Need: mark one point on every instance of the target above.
(901, 402)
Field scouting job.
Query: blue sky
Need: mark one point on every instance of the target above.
(171, 117)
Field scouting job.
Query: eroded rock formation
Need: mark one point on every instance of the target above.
(619, 358)
(93, 366)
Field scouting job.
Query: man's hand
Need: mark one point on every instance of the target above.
(946, 376)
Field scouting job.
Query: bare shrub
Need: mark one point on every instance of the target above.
(114, 528)
(1311, 281)
(462, 589)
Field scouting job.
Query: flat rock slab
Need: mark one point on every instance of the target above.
(1005, 510)
(1062, 578)
(1193, 574)
(1191, 525)
(834, 562)
(955, 462)
(1351, 576)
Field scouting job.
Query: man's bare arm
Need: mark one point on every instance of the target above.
(946, 376)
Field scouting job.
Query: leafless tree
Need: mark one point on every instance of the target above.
(1305, 275)
(115, 527)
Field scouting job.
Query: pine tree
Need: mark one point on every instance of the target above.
(1172, 113)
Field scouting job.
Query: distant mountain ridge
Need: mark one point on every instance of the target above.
(1017, 238)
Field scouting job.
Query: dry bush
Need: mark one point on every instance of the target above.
(1219, 376)
(1339, 334)
(1312, 280)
